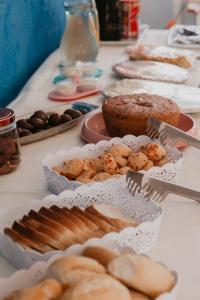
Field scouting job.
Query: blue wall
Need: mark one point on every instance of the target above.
(29, 31)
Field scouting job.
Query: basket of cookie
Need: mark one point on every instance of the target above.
(110, 160)
(95, 272)
(60, 224)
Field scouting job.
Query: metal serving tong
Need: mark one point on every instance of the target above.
(156, 189)
(168, 134)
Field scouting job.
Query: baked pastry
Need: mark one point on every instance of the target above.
(71, 269)
(135, 295)
(48, 289)
(85, 278)
(58, 228)
(102, 255)
(129, 114)
(142, 274)
(160, 54)
(137, 161)
(100, 287)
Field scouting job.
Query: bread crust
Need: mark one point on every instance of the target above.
(102, 255)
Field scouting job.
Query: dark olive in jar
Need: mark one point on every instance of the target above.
(73, 113)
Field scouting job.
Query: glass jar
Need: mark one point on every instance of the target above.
(9, 142)
(80, 39)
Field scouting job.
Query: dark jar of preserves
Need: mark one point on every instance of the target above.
(9, 142)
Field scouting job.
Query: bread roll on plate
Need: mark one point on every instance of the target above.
(45, 290)
(138, 296)
(102, 255)
(70, 269)
(141, 273)
(99, 288)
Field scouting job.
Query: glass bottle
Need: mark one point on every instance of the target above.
(9, 142)
(80, 39)
(109, 19)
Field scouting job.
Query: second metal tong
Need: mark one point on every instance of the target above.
(155, 189)
(168, 134)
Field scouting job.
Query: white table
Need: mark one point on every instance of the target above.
(179, 240)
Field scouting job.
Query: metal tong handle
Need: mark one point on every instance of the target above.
(175, 189)
(188, 138)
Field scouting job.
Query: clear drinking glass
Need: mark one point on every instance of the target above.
(81, 37)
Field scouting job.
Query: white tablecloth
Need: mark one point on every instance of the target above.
(179, 240)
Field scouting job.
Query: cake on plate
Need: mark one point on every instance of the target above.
(128, 114)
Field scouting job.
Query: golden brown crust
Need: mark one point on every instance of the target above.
(102, 255)
(48, 289)
(136, 271)
(128, 114)
(179, 60)
(100, 288)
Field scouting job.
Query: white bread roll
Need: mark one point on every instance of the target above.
(100, 288)
(102, 255)
(69, 269)
(138, 296)
(141, 273)
(45, 290)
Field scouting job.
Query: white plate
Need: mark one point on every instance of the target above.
(187, 97)
(173, 34)
(140, 238)
(151, 70)
(26, 278)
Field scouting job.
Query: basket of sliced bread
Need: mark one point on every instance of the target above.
(97, 272)
(110, 160)
(60, 224)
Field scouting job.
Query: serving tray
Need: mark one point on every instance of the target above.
(151, 70)
(187, 97)
(35, 137)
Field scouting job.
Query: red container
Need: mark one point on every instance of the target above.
(129, 12)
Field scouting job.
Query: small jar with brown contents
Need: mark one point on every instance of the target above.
(9, 142)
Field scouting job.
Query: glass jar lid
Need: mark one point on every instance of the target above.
(7, 117)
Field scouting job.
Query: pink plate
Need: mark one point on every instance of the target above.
(59, 97)
(94, 130)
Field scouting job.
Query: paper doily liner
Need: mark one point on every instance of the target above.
(140, 238)
(58, 183)
(26, 278)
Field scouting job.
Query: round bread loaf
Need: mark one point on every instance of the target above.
(129, 114)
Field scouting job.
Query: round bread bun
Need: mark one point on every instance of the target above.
(99, 288)
(71, 269)
(128, 114)
(46, 290)
(141, 273)
(138, 296)
(102, 255)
